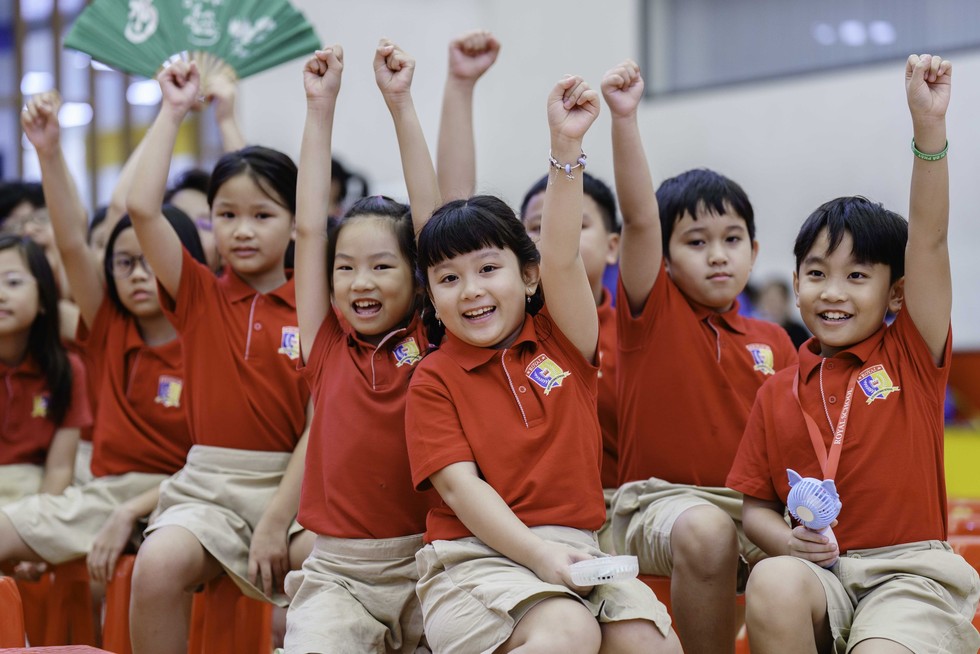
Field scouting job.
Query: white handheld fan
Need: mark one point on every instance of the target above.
(813, 502)
(604, 569)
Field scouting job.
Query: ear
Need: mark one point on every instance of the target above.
(755, 251)
(612, 249)
(532, 277)
(896, 295)
(796, 287)
(794, 477)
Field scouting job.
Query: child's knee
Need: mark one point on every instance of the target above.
(167, 562)
(777, 585)
(630, 636)
(704, 535)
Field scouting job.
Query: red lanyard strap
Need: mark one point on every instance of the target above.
(828, 462)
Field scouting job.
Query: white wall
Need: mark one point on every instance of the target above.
(791, 144)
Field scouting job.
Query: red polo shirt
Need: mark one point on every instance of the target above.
(240, 350)
(141, 425)
(358, 482)
(607, 391)
(26, 432)
(890, 478)
(526, 415)
(687, 378)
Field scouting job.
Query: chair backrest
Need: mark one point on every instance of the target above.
(12, 625)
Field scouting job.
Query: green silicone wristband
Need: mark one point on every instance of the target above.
(930, 157)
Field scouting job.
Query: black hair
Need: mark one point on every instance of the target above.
(398, 215)
(44, 340)
(595, 188)
(698, 191)
(345, 177)
(97, 219)
(13, 193)
(182, 225)
(463, 226)
(192, 179)
(272, 171)
(878, 235)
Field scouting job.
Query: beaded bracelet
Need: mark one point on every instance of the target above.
(930, 157)
(568, 168)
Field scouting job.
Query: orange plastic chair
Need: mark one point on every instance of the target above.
(115, 628)
(70, 619)
(34, 596)
(224, 621)
(12, 625)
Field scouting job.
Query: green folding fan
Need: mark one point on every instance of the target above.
(140, 36)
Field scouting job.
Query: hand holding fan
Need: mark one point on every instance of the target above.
(814, 503)
(235, 37)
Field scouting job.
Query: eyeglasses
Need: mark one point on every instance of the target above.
(123, 265)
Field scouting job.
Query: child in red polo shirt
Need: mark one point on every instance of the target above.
(357, 588)
(232, 507)
(688, 369)
(501, 420)
(43, 398)
(140, 434)
(865, 409)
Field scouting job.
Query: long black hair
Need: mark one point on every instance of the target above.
(186, 232)
(463, 226)
(44, 340)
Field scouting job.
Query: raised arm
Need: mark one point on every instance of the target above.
(321, 80)
(572, 108)
(470, 55)
(393, 71)
(220, 91)
(117, 201)
(68, 217)
(180, 83)
(928, 284)
(641, 248)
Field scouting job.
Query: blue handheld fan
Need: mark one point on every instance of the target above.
(813, 502)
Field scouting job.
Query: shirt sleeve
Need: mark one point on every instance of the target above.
(433, 430)
(750, 473)
(197, 283)
(79, 414)
(633, 330)
(328, 336)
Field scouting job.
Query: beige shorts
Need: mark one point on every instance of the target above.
(83, 464)
(354, 597)
(62, 527)
(920, 595)
(643, 514)
(604, 535)
(219, 496)
(18, 480)
(472, 597)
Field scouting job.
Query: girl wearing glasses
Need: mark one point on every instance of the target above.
(141, 435)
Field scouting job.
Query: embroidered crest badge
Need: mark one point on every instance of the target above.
(762, 358)
(876, 383)
(168, 391)
(546, 373)
(39, 409)
(289, 343)
(406, 353)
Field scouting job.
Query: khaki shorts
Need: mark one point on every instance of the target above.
(604, 535)
(354, 597)
(219, 496)
(472, 597)
(62, 527)
(83, 464)
(644, 513)
(920, 595)
(18, 480)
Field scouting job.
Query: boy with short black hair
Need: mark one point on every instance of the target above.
(865, 409)
(689, 368)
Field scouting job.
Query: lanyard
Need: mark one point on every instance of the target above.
(828, 462)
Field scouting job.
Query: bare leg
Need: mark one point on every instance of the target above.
(12, 546)
(170, 565)
(786, 609)
(558, 624)
(637, 637)
(704, 544)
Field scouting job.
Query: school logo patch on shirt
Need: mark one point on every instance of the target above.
(546, 373)
(762, 358)
(168, 391)
(39, 409)
(289, 343)
(876, 383)
(406, 353)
